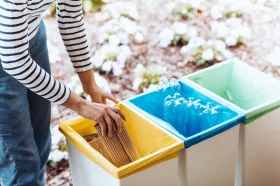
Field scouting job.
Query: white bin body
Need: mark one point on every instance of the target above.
(211, 162)
(85, 172)
(261, 151)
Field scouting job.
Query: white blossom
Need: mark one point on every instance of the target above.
(76, 86)
(227, 54)
(220, 28)
(121, 58)
(158, 69)
(118, 8)
(166, 34)
(194, 42)
(124, 37)
(107, 66)
(219, 45)
(112, 58)
(245, 32)
(209, 43)
(125, 50)
(87, 6)
(102, 83)
(114, 40)
(219, 57)
(180, 28)
(186, 49)
(57, 136)
(197, 3)
(58, 156)
(151, 87)
(234, 22)
(208, 55)
(139, 70)
(54, 54)
(136, 83)
(119, 30)
(139, 38)
(217, 12)
(231, 41)
(128, 25)
(117, 69)
(164, 43)
(191, 32)
(98, 59)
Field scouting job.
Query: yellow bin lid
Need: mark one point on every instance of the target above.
(154, 144)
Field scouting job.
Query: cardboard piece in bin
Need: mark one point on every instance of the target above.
(248, 89)
(119, 147)
(154, 144)
(151, 105)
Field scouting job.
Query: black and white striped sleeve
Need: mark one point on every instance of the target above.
(14, 53)
(72, 30)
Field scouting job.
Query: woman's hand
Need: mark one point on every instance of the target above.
(93, 90)
(106, 116)
(98, 95)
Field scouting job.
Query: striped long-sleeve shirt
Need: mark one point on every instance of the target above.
(19, 21)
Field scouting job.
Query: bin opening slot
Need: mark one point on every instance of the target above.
(118, 149)
(183, 108)
(239, 83)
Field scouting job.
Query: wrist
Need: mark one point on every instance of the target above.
(87, 80)
(74, 102)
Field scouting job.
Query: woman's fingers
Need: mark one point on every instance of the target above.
(103, 126)
(117, 120)
(109, 122)
(104, 101)
(110, 97)
(118, 111)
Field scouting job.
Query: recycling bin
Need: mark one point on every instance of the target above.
(210, 153)
(158, 149)
(258, 96)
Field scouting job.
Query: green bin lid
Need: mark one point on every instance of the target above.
(250, 90)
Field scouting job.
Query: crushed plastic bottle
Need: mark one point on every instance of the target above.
(182, 115)
(175, 86)
(169, 114)
(186, 114)
(163, 84)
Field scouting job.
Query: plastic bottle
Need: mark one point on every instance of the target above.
(169, 114)
(174, 86)
(182, 115)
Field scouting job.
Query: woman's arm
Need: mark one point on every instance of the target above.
(72, 30)
(91, 88)
(15, 58)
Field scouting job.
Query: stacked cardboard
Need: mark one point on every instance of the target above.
(119, 149)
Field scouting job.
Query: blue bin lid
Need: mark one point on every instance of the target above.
(150, 104)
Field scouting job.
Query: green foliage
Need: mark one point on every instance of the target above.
(149, 78)
(62, 146)
(112, 57)
(53, 164)
(180, 39)
(186, 11)
(232, 14)
(87, 6)
(197, 57)
(267, 3)
(92, 5)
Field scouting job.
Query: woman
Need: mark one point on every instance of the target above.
(27, 88)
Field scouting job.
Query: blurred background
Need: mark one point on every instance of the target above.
(135, 43)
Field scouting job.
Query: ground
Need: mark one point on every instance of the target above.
(265, 39)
